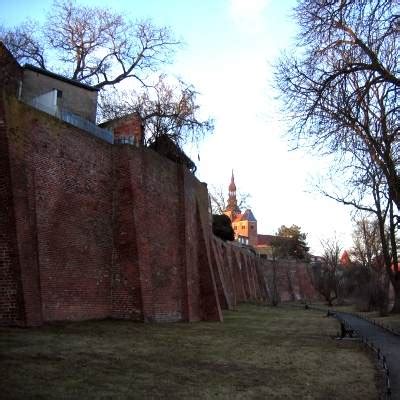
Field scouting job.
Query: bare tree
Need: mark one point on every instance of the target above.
(93, 45)
(166, 108)
(343, 86)
(102, 48)
(327, 275)
(342, 94)
(218, 196)
(369, 267)
(368, 193)
(366, 242)
(24, 44)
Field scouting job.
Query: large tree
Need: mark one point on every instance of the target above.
(168, 107)
(368, 193)
(103, 48)
(290, 242)
(342, 85)
(93, 45)
(341, 90)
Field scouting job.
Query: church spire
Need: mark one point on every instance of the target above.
(232, 201)
(232, 186)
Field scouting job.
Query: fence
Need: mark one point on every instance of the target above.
(74, 120)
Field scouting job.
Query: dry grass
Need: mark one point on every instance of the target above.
(391, 320)
(257, 353)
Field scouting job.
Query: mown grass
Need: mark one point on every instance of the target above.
(257, 353)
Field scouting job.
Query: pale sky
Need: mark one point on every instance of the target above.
(229, 52)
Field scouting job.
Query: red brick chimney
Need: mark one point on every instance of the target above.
(127, 130)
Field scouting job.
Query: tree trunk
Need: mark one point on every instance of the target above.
(396, 287)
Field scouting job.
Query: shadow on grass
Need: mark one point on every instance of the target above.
(257, 353)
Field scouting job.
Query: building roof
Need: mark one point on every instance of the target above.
(268, 240)
(237, 218)
(265, 240)
(248, 216)
(60, 77)
(121, 119)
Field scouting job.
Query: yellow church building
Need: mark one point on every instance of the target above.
(244, 224)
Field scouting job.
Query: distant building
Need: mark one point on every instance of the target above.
(265, 245)
(53, 93)
(244, 224)
(67, 99)
(245, 227)
(127, 129)
(345, 260)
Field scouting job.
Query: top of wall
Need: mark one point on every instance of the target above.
(60, 77)
(10, 71)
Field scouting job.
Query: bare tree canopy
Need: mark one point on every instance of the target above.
(23, 44)
(166, 108)
(327, 275)
(218, 196)
(342, 89)
(367, 247)
(102, 48)
(93, 45)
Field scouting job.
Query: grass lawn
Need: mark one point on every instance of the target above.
(391, 320)
(257, 353)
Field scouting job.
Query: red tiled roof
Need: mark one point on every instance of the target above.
(237, 218)
(265, 240)
(268, 240)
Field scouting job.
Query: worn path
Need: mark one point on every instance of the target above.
(386, 341)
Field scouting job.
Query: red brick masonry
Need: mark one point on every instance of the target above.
(93, 230)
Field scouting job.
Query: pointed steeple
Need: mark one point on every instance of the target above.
(232, 206)
(232, 186)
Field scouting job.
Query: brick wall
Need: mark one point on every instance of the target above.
(93, 230)
(11, 302)
(292, 279)
(99, 230)
(63, 216)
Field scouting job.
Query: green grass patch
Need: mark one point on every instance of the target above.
(257, 353)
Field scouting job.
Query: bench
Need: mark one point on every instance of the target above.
(346, 331)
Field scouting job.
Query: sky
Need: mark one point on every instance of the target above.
(229, 51)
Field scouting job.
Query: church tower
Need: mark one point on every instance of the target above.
(244, 225)
(232, 209)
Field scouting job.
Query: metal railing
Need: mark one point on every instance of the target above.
(368, 344)
(75, 120)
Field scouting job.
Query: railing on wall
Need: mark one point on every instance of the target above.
(75, 120)
(86, 125)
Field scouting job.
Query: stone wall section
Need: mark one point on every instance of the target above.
(93, 230)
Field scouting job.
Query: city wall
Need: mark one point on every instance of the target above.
(93, 230)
